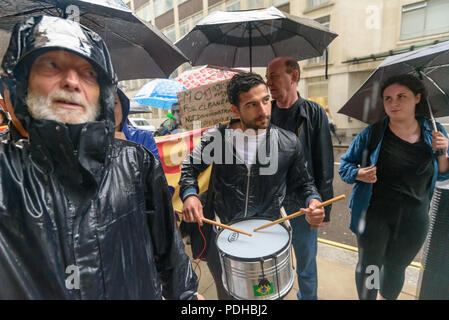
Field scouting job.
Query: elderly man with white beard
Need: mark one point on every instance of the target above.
(82, 215)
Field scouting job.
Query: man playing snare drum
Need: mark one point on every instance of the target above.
(254, 163)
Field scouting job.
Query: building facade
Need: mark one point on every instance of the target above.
(368, 31)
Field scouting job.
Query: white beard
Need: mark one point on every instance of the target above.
(41, 107)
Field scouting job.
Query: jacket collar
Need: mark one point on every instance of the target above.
(301, 110)
(423, 123)
(71, 151)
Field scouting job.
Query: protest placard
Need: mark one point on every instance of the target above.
(208, 104)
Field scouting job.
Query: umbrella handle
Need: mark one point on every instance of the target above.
(434, 125)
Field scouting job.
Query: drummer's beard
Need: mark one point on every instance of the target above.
(261, 122)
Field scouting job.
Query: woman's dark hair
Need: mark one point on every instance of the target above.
(242, 82)
(414, 85)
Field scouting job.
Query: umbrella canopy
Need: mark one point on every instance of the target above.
(138, 49)
(205, 75)
(430, 64)
(159, 93)
(253, 38)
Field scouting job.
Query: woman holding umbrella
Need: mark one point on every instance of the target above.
(392, 193)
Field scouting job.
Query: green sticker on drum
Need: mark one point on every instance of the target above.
(263, 289)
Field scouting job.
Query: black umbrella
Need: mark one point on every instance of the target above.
(138, 49)
(430, 64)
(253, 38)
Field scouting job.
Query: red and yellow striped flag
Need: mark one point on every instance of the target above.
(173, 149)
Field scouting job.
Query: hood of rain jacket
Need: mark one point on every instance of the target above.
(82, 215)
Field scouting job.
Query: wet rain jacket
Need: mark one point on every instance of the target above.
(352, 158)
(242, 192)
(83, 215)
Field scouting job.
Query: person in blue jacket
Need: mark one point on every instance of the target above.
(123, 131)
(391, 197)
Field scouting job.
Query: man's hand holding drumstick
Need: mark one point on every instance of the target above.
(192, 211)
(313, 214)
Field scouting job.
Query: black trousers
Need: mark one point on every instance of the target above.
(214, 265)
(391, 240)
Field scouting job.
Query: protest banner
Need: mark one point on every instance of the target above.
(173, 149)
(208, 104)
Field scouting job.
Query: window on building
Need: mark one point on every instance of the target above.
(424, 18)
(278, 3)
(196, 18)
(325, 21)
(316, 3)
(158, 7)
(182, 1)
(232, 5)
(256, 4)
(216, 7)
(170, 33)
(144, 12)
(184, 27)
(317, 90)
(168, 5)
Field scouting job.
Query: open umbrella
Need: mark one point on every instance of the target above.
(159, 93)
(253, 38)
(430, 64)
(205, 75)
(138, 49)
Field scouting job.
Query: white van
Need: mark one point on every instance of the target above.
(141, 123)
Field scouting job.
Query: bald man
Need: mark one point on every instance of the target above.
(308, 121)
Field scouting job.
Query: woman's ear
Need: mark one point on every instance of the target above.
(417, 98)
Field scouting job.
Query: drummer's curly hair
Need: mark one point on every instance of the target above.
(415, 85)
(242, 82)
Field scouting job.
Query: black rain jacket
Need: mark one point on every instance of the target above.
(318, 151)
(83, 215)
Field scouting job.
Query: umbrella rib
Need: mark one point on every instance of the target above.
(235, 49)
(218, 35)
(270, 43)
(29, 12)
(309, 42)
(432, 68)
(123, 38)
(435, 84)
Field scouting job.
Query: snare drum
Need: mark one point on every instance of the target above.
(257, 267)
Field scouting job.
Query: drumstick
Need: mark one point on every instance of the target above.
(296, 214)
(224, 226)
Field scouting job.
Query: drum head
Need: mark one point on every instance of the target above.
(263, 243)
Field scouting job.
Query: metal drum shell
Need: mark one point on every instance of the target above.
(240, 275)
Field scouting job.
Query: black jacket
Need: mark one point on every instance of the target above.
(106, 211)
(242, 193)
(316, 141)
(83, 215)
